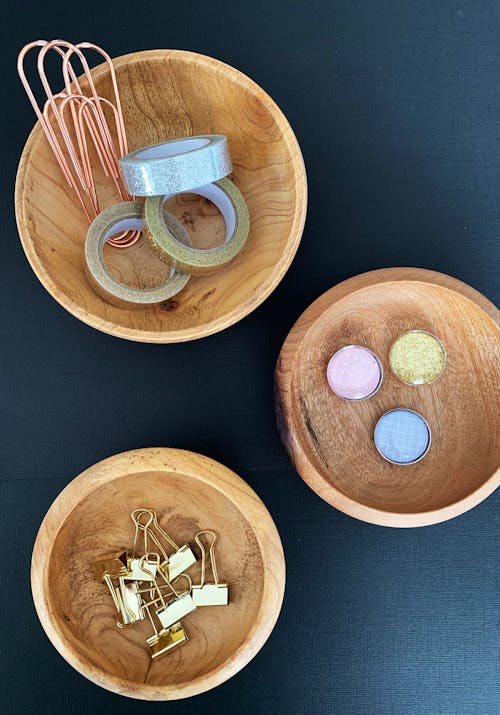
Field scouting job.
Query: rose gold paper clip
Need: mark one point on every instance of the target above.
(69, 139)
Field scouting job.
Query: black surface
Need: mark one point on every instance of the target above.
(397, 108)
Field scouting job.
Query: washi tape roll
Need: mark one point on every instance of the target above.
(176, 166)
(126, 216)
(186, 259)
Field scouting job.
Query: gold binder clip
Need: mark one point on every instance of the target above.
(180, 561)
(114, 565)
(171, 612)
(167, 639)
(173, 564)
(209, 594)
(137, 568)
(116, 599)
(128, 595)
(130, 603)
(109, 567)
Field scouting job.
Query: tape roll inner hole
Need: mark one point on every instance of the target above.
(162, 151)
(111, 257)
(221, 202)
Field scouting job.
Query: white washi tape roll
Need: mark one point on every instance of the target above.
(175, 166)
(127, 216)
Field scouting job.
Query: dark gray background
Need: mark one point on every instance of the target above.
(397, 108)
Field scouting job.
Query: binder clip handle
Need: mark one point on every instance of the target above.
(163, 533)
(212, 541)
(136, 516)
(138, 513)
(188, 579)
(151, 558)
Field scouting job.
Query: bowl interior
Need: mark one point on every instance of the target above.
(460, 406)
(81, 606)
(168, 94)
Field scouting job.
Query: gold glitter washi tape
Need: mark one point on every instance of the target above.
(185, 259)
(126, 216)
(417, 357)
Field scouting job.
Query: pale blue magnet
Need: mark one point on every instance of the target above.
(402, 436)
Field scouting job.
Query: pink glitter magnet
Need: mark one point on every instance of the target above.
(354, 373)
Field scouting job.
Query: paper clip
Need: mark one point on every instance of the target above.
(88, 118)
(209, 594)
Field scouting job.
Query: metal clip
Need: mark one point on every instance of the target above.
(138, 568)
(209, 594)
(163, 641)
(114, 565)
(109, 567)
(130, 600)
(128, 595)
(175, 610)
(181, 606)
(179, 562)
(167, 639)
(173, 565)
(109, 583)
(136, 572)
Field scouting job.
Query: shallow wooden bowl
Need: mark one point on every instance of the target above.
(91, 517)
(168, 94)
(330, 440)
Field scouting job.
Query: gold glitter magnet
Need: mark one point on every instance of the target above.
(417, 357)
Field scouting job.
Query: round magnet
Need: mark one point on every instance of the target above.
(402, 436)
(417, 357)
(354, 372)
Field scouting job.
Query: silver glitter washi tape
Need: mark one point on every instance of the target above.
(185, 259)
(176, 166)
(127, 216)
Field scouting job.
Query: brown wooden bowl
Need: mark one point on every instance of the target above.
(330, 440)
(168, 94)
(91, 517)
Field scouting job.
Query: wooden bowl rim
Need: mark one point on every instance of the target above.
(283, 402)
(155, 459)
(271, 281)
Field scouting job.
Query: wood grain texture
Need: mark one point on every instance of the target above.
(91, 517)
(168, 94)
(330, 440)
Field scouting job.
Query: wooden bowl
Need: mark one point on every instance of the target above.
(91, 517)
(330, 440)
(167, 94)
